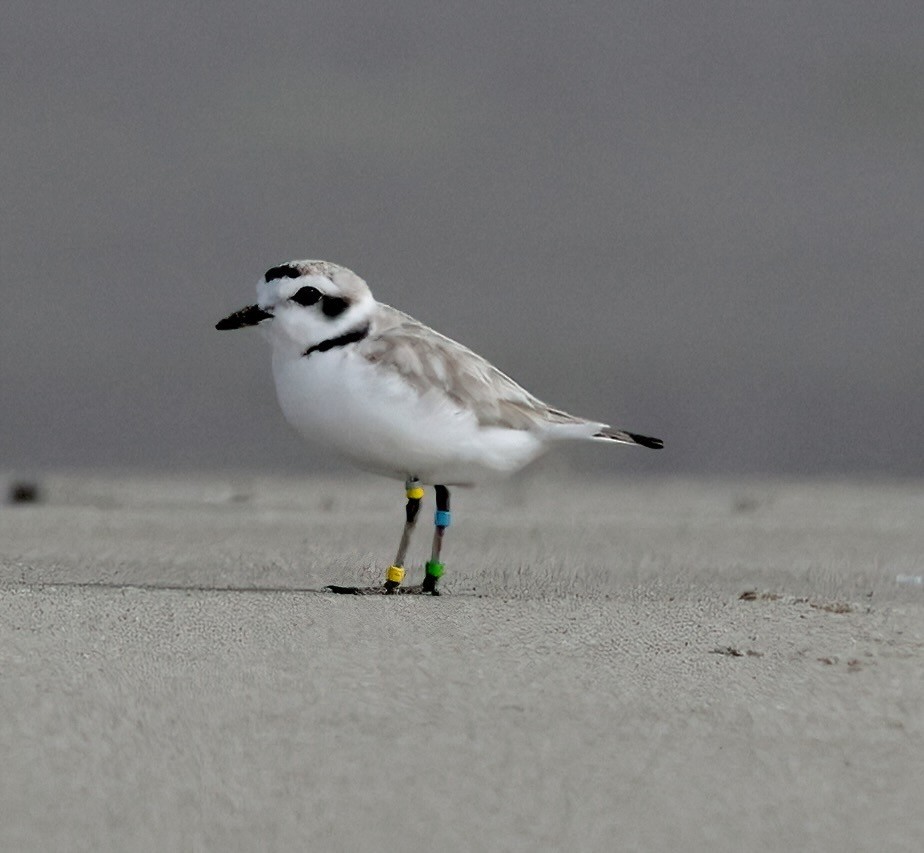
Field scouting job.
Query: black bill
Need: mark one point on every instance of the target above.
(249, 316)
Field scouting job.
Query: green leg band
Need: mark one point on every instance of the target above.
(435, 570)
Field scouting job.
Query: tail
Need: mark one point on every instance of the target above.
(560, 425)
(629, 438)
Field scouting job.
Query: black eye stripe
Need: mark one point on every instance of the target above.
(334, 306)
(306, 295)
(285, 271)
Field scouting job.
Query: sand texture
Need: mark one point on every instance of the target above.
(616, 665)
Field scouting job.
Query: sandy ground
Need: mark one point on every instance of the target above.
(615, 666)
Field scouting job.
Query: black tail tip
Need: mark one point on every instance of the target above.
(647, 441)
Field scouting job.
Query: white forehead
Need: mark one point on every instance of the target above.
(271, 292)
(286, 279)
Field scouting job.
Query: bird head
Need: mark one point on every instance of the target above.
(302, 303)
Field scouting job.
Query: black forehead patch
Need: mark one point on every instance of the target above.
(285, 271)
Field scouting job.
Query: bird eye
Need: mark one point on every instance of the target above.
(306, 295)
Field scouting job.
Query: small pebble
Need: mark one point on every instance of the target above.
(23, 492)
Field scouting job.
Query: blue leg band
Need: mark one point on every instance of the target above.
(442, 518)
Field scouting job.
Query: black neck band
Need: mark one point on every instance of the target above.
(342, 341)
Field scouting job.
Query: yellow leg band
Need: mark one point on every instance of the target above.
(415, 493)
(395, 574)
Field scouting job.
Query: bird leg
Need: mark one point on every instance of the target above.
(441, 520)
(395, 573)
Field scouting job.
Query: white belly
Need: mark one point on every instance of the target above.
(382, 424)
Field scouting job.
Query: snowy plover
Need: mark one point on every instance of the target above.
(398, 398)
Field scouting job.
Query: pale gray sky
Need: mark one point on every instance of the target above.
(701, 221)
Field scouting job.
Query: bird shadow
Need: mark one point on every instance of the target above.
(327, 590)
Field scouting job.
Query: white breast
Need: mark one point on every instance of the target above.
(378, 421)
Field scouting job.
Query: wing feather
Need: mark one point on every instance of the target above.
(427, 359)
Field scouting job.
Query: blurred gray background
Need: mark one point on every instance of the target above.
(701, 221)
